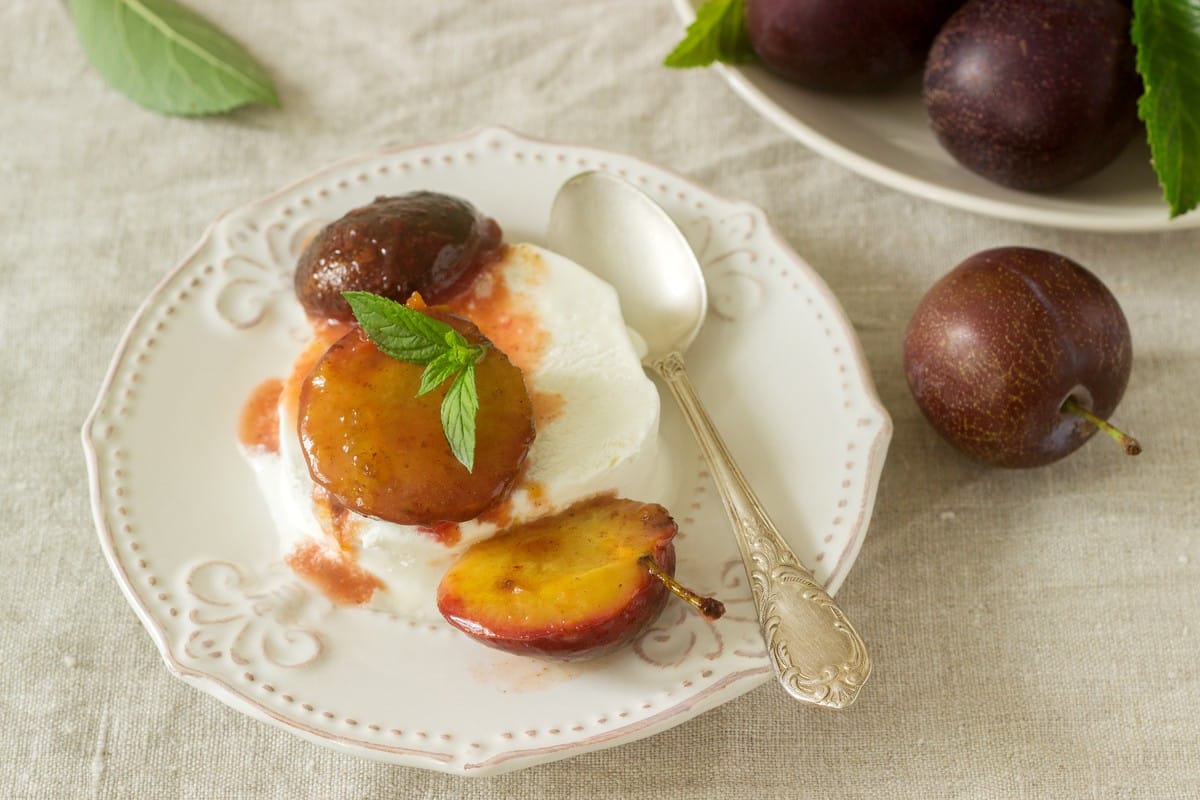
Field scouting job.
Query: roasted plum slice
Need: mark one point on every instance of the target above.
(576, 584)
(381, 450)
(422, 242)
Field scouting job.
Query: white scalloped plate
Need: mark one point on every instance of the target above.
(887, 138)
(191, 544)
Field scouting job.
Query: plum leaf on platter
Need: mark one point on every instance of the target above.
(1167, 36)
(717, 34)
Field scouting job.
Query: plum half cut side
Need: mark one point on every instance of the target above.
(381, 450)
(567, 586)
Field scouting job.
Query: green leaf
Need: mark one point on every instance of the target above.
(459, 407)
(400, 332)
(1167, 36)
(438, 371)
(167, 58)
(717, 34)
(408, 335)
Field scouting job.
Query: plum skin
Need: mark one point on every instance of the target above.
(999, 342)
(835, 45)
(423, 242)
(1034, 94)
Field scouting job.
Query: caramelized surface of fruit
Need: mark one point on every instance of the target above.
(380, 450)
(566, 586)
(418, 242)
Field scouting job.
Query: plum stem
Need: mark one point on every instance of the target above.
(1131, 445)
(709, 607)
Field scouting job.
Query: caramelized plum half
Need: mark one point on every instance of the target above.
(418, 242)
(380, 449)
(565, 586)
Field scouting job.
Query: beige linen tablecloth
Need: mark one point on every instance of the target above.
(1035, 632)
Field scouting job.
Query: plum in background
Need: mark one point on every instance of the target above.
(1018, 356)
(845, 45)
(1034, 94)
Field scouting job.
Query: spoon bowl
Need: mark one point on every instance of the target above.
(623, 236)
(620, 234)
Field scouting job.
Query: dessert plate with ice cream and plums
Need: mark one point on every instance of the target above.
(374, 465)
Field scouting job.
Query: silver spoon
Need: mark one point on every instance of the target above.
(619, 233)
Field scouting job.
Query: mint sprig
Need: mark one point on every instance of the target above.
(717, 34)
(1167, 36)
(410, 336)
(459, 407)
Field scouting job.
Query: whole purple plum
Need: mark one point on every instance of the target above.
(1034, 94)
(845, 45)
(1010, 352)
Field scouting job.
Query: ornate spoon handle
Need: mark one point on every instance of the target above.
(817, 655)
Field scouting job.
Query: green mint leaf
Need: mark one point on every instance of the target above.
(471, 354)
(717, 34)
(167, 58)
(400, 332)
(438, 371)
(413, 337)
(1167, 36)
(459, 407)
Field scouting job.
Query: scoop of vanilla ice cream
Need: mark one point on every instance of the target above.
(596, 415)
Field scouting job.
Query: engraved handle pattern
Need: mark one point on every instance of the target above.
(817, 655)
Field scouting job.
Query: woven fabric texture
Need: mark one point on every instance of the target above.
(1035, 633)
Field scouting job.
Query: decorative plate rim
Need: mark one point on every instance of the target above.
(223, 690)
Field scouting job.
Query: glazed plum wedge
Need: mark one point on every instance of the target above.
(576, 584)
(418, 242)
(377, 445)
